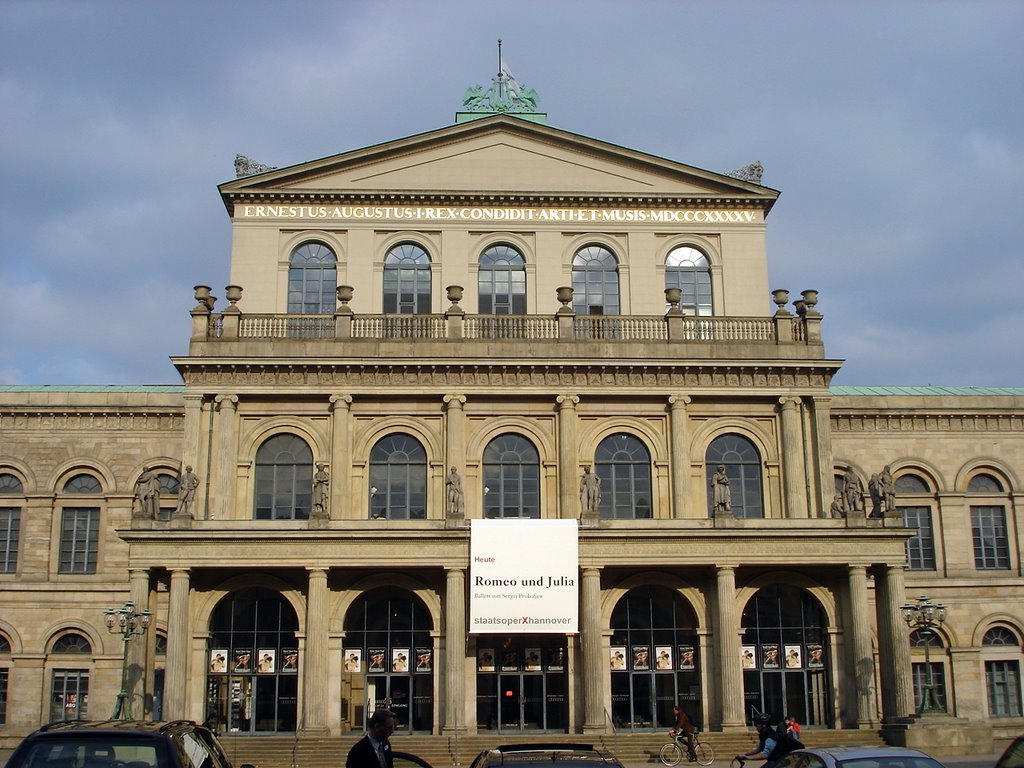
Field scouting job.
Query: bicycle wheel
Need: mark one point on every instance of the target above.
(705, 753)
(671, 754)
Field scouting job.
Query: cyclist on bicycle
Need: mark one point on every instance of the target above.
(770, 746)
(684, 728)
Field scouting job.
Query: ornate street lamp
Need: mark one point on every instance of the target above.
(926, 616)
(126, 622)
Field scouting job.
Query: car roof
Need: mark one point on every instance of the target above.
(852, 753)
(553, 752)
(117, 726)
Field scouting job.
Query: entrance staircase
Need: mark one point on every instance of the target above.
(633, 749)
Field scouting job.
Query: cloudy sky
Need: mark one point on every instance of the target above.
(894, 129)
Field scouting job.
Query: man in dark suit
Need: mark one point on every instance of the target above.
(374, 750)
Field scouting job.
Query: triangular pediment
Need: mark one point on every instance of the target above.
(499, 155)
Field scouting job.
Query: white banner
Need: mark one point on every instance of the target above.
(523, 576)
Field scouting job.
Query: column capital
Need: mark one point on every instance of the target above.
(226, 400)
(454, 570)
(454, 400)
(789, 401)
(340, 400)
(568, 400)
(679, 401)
(193, 398)
(316, 571)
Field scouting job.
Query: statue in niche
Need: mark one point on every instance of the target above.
(188, 482)
(454, 493)
(875, 491)
(888, 488)
(721, 492)
(321, 491)
(590, 492)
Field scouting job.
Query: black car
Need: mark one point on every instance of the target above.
(562, 755)
(120, 744)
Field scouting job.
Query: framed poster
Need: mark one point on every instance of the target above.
(353, 660)
(663, 657)
(617, 657)
(556, 661)
(747, 658)
(485, 660)
(424, 659)
(376, 663)
(770, 656)
(399, 659)
(687, 657)
(641, 657)
(289, 659)
(510, 660)
(219, 660)
(243, 660)
(532, 661)
(815, 656)
(266, 660)
(794, 657)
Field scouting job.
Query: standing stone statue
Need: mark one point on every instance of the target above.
(852, 500)
(888, 488)
(147, 491)
(590, 492)
(188, 481)
(721, 492)
(456, 497)
(837, 509)
(321, 491)
(875, 491)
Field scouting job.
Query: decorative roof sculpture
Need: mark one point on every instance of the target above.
(505, 96)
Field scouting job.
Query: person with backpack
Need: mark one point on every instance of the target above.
(772, 745)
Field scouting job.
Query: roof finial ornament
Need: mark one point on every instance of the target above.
(504, 96)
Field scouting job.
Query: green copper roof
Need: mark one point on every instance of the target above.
(927, 391)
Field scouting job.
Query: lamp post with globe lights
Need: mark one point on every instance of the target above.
(128, 623)
(926, 616)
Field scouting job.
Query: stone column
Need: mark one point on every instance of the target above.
(179, 641)
(138, 647)
(341, 457)
(314, 665)
(568, 457)
(730, 675)
(455, 657)
(826, 470)
(680, 445)
(793, 458)
(594, 662)
(893, 645)
(455, 446)
(222, 503)
(862, 670)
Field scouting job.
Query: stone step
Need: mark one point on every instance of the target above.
(454, 752)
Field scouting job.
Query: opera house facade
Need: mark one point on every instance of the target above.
(503, 323)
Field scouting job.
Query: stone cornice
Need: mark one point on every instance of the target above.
(85, 418)
(939, 422)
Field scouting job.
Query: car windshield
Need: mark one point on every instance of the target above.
(73, 751)
(909, 761)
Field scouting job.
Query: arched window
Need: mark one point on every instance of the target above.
(988, 523)
(511, 478)
(69, 688)
(10, 521)
(407, 280)
(80, 526)
(595, 281)
(398, 479)
(688, 269)
(624, 465)
(502, 281)
(928, 667)
(1001, 650)
(312, 280)
(284, 479)
(742, 465)
(917, 514)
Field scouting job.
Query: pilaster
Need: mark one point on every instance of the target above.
(568, 456)
(680, 442)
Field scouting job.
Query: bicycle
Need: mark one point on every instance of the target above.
(673, 752)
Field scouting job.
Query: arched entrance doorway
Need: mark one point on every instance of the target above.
(521, 683)
(388, 660)
(252, 663)
(654, 659)
(785, 656)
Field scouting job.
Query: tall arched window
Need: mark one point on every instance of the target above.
(624, 465)
(595, 281)
(284, 479)
(80, 525)
(398, 479)
(502, 281)
(688, 269)
(407, 280)
(10, 521)
(742, 465)
(928, 667)
(988, 523)
(312, 280)
(917, 514)
(511, 478)
(1001, 650)
(69, 686)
